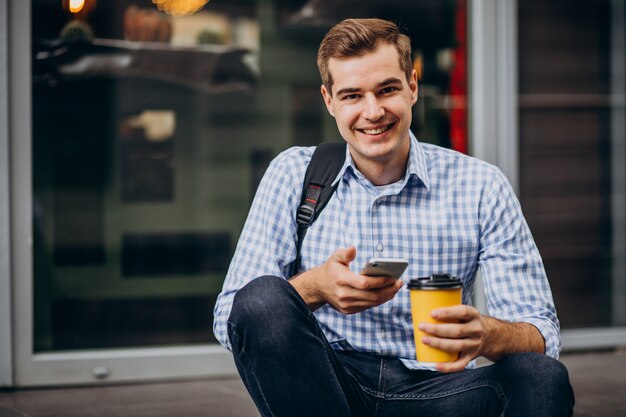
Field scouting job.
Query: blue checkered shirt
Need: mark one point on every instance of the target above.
(450, 213)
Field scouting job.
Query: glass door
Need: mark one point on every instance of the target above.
(131, 183)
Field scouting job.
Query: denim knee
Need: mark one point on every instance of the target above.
(266, 310)
(257, 295)
(534, 378)
(536, 368)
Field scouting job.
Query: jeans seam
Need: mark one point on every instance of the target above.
(244, 356)
(367, 390)
(496, 387)
(381, 377)
(382, 397)
(381, 385)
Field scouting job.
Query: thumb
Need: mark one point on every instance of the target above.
(345, 256)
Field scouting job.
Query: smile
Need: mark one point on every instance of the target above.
(376, 131)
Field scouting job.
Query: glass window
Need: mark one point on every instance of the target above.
(571, 120)
(152, 126)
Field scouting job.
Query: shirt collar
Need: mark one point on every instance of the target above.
(347, 163)
(416, 166)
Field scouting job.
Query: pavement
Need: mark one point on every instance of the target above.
(599, 381)
(598, 378)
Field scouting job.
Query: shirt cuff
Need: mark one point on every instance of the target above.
(550, 333)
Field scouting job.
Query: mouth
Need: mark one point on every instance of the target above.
(377, 130)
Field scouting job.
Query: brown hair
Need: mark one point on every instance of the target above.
(357, 37)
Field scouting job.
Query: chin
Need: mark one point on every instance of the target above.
(379, 153)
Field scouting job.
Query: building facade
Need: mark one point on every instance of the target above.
(133, 135)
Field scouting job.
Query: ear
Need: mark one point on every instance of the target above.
(328, 98)
(413, 86)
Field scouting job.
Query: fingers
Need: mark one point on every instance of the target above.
(344, 256)
(462, 331)
(456, 366)
(380, 295)
(467, 349)
(452, 330)
(346, 277)
(451, 345)
(351, 300)
(349, 292)
(459, 312)
(367, 282)
(454, 323)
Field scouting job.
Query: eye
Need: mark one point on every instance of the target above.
(350, 97)
(387, 90)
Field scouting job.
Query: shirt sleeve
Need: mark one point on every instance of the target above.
(267, 242)
(514, 277)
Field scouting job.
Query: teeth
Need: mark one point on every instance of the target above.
(375, 131)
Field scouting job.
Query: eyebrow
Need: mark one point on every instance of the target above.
(392, 80)
(347, 91)
(388, 81)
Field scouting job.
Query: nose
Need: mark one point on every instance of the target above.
(372, 109)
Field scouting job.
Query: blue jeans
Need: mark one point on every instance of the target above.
(291, 370)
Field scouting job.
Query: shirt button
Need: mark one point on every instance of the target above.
(379, 248)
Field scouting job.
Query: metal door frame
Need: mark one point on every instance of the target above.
(6, 324)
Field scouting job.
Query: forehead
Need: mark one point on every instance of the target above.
(359, 71)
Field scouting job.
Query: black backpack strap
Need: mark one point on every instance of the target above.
(317, 189)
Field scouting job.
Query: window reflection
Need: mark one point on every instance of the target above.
(151, 132)
(572, 173)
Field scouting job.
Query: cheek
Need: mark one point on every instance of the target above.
(346, 116)
(404, 110)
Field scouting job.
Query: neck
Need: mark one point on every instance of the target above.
(382, 172)
(385, 169)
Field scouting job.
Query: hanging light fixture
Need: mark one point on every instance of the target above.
(76, 5)
(79, 8)
(180, 7)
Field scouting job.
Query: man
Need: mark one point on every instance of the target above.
(332, 342)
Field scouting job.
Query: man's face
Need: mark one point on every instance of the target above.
(371, 102)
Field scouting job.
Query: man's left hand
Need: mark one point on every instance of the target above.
(472, 334)
(465, 332)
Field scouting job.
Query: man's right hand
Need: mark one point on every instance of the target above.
(347, 292)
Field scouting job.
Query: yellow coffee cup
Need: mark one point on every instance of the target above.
(428, 294)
